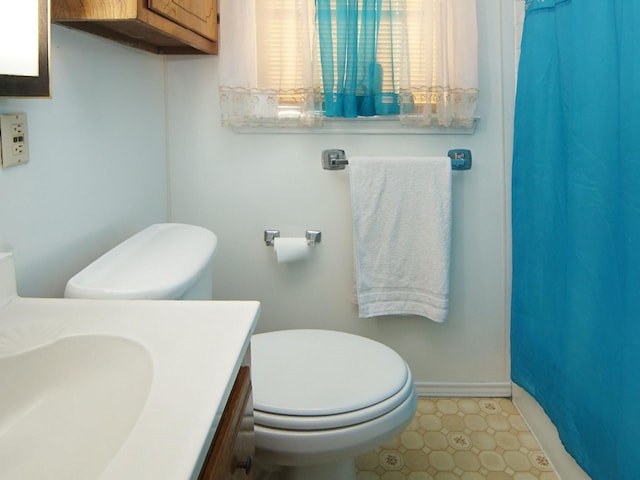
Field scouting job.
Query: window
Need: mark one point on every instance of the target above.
(296, 62)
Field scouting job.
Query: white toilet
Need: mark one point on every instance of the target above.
(323, 397)
(320, 397)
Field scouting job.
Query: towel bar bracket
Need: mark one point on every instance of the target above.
(460, 159)
(334, 159)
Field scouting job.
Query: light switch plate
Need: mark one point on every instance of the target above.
(14, 139)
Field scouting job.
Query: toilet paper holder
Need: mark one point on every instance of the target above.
(312, 236)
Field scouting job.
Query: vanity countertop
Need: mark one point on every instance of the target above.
(194, 351)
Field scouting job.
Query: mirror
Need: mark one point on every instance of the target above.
(24, 48)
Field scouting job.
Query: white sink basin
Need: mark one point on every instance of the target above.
(56, 398)
(113, 389)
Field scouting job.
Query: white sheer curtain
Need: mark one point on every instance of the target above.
(270, 71)
(442, 88)
(266, 63)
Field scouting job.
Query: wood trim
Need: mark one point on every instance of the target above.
(233, 444)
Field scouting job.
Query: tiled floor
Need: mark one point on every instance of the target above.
(460, 439)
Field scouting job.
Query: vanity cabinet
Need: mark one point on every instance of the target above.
(230, 455)
(158, 26)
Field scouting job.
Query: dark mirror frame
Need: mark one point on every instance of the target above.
(21, 86)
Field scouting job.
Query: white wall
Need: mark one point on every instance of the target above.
(241, 184)
(98, 173)
(97, 170)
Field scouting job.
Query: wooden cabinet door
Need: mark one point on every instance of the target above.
(201, 16)
(230, 455)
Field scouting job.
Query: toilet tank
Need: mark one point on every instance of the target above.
(165, 261)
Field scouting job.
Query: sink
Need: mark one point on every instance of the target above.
(56, 396)
(114, 389)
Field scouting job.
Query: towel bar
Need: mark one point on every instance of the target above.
(336, 159)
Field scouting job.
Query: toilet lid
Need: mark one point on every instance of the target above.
(322, 372)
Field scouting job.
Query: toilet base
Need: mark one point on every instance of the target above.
(338, 470)
(344, 469)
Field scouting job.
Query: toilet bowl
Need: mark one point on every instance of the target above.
(323, 397)
(320, 397)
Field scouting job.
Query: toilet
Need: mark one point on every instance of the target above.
(321, 397)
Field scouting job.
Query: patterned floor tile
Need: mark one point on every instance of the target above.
(460, 439)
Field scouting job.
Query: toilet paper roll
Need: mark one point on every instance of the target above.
(290, 249)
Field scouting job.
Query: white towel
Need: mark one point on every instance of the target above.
(402, 235)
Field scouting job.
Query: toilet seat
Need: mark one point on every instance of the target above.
(322, 422)
(298, 447)
(319, 379)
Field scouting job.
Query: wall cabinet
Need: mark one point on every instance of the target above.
(230, 455)
(158, 26)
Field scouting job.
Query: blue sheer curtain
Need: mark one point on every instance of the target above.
(576, 227)
(351, 76)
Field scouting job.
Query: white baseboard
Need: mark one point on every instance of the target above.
(482, 389)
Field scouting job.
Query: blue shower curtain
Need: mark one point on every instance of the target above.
(576, 227)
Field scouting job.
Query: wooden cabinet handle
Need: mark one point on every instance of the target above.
(246, 465)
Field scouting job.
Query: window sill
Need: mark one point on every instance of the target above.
(362, 126)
